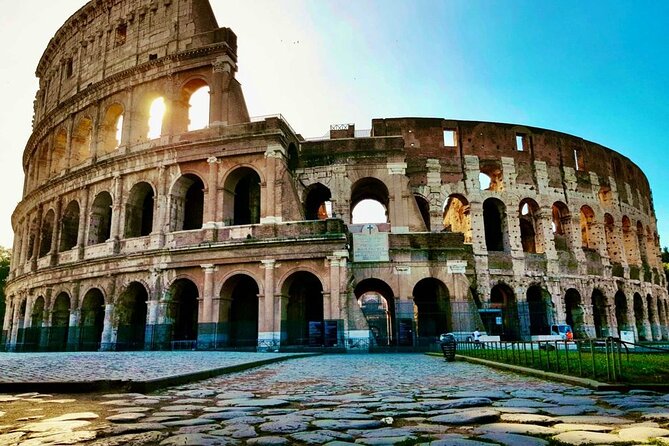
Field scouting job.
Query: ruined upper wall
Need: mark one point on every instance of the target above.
(106, 37)
(424, 138)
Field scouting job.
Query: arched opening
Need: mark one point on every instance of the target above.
(600, 313)
(81, 141)
(318, 204)
(457, 217)
(424, 209)
(612, 248)
(155, 120)
(198, 108)
(46, 233)
(433, 306)
(574, 313)
(242, 197)
(302, 310)
(182, 312)
(639, 317)
(494, 221)
(503, 300)
(561, 226)
(369, 201)
(587, 221)
(32, 238)
(540, 310)
(622, 321)
(377, 303)
(34, 333)
(92, 320)
(41, 164)
(238, 312)
(130, 315)
(112, 128)
(21, 332)
(69, 227)
(641, 242)
(139, 211)
(531, 235)
(60, 323)
(630, 243)
(99, 228)
(59, 152)
(187, 203)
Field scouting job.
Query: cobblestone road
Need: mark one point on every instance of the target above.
(135, 366)
(345, 399)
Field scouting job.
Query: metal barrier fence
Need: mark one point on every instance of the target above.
(605, 359)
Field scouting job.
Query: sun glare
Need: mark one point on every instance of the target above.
(156, 113)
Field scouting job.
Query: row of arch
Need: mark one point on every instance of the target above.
(88, 136)
(127, 322)
(639, 244)
(186, 210)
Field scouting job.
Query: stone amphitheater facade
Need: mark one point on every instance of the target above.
(239, 234)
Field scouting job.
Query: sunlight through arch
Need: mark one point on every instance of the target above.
(369, 211)
(156, 114)
(198, 109)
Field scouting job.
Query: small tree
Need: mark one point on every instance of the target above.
(665, 261)
(5, 256)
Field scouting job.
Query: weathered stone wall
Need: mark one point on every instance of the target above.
(218, 237)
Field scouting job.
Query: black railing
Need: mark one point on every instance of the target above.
(605, 359)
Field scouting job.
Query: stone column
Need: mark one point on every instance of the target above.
(108, 340)
(7, 324)
(57, 223)
(116, 207)
(269, 214)
(15, 324)
(81, 231)
(207, 325)
(73, 330)
(655, 328)
(397, 205)
(269, 337)
(210, 210)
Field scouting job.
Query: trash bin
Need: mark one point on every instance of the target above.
(448, 345)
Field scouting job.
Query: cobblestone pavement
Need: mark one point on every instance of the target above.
(345, 399)
(136, 366)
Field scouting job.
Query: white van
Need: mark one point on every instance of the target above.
(560, 330)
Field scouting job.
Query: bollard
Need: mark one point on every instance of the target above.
(448, 345)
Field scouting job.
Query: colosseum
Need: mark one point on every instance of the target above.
(144, 226)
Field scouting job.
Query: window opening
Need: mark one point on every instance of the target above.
(449, 138)
(121, 33)
(520, 142)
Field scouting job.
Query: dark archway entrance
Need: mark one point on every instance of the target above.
(60, 323)
(316, 203)
(238, 313)
(540, 311)
(600, 313)
(622, 320)
(34, 332)
(183, 314)
(92, 320)
(503, 300)
(434, 310)
(302, 310)
(639, 317)
(241, 201)
(494, 216)
(131, 317)
(574, 312)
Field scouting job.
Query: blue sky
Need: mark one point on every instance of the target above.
(597, 70)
